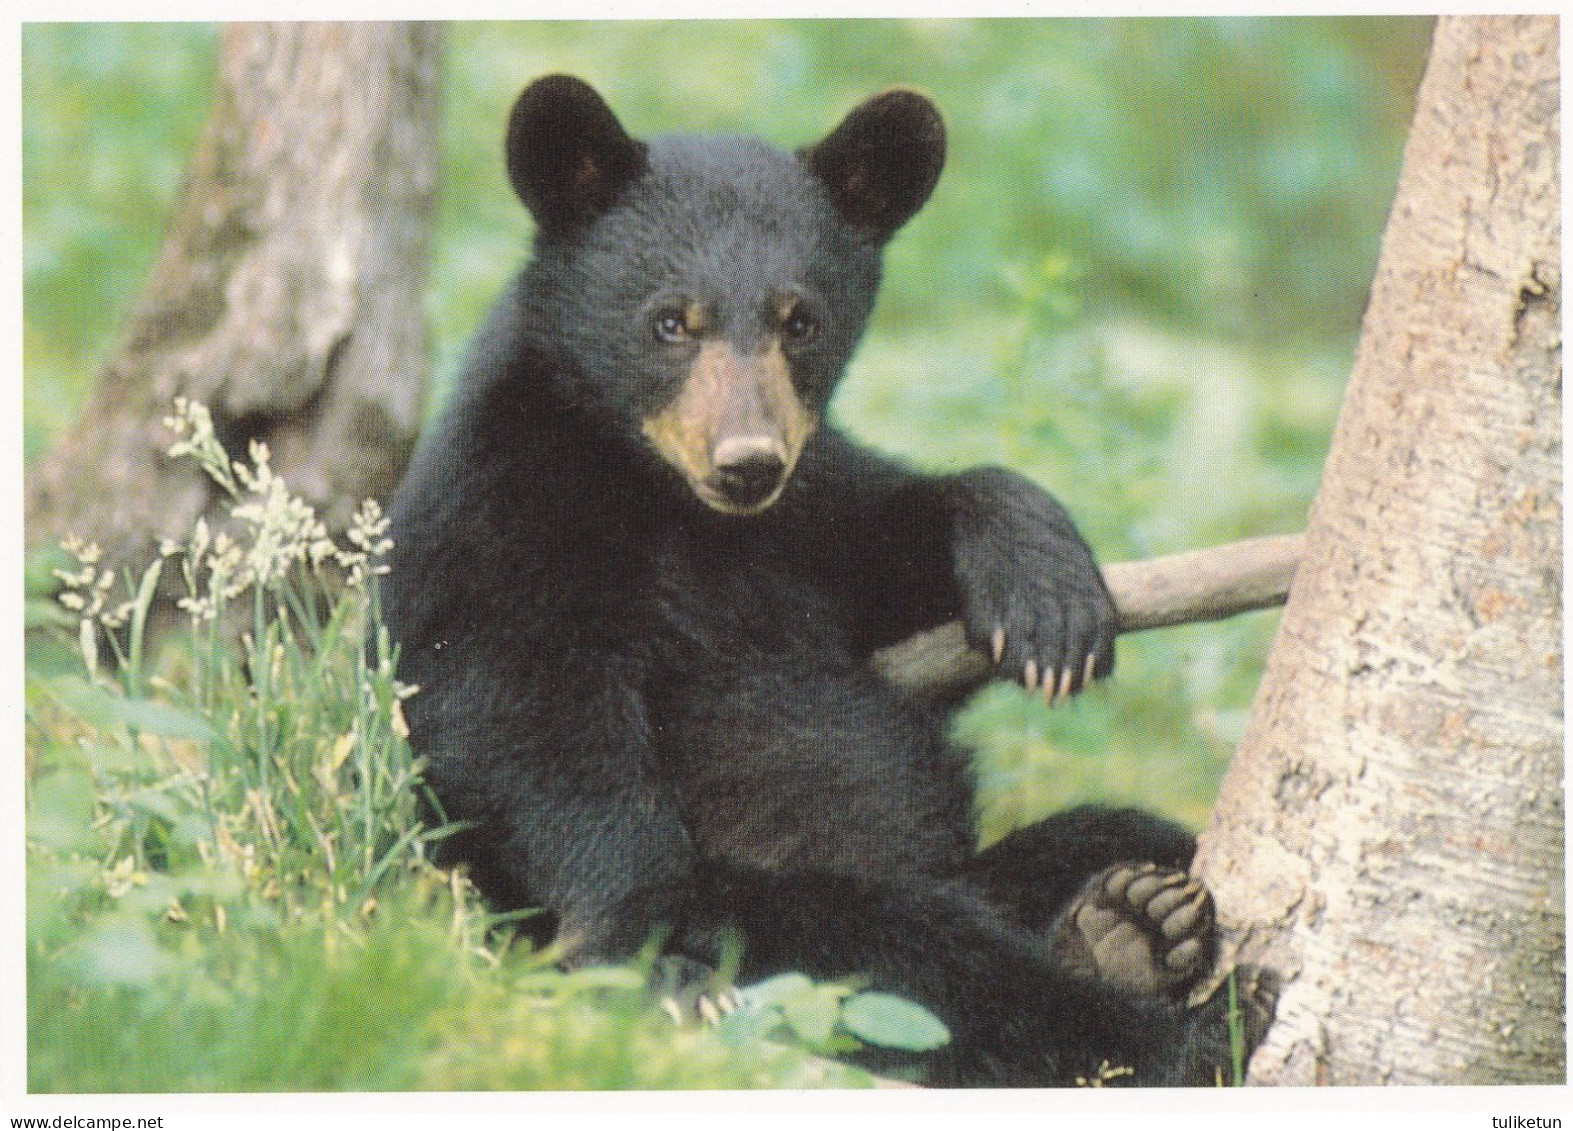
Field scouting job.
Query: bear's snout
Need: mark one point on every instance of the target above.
(736, 427)
(749, 471)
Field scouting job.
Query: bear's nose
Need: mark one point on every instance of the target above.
(748, 471)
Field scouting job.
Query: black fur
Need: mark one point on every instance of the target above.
(657, 716)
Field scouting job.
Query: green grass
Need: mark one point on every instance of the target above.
(229, 884)
(1139, 283)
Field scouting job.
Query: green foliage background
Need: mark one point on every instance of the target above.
(1139, 282)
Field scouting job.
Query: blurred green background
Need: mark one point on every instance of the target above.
(1139, 281)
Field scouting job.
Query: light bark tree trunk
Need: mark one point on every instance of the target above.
(288, 296)
(1390, 835)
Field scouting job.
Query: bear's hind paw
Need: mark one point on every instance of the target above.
(1143, 927)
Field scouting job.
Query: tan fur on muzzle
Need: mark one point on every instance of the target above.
(732, 407)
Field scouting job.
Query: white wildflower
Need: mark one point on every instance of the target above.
(274, 530)
(397, 722)
(85, 592)
(193, 424)
(197, 608)
(283, 527)
(87, 577)
(227, 577)
(368, 533)
(200, 537)
(116, 617)
(367, 528)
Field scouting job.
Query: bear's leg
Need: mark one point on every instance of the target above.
(1016, 1018)
(1108, 891)
(1032, 874)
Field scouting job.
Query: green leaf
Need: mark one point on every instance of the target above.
(60, 811)
(38, 570)
(583, 980)
(748, 1026)
(893, 1023)
(121, 950)
(93, 705)
(144, 601)
(808, 1009)
(776, 990)
(45, 612)
(151, 896)
(155, 803)
(813, 1015)
(160, 719)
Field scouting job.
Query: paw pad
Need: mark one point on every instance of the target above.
(1140, 926)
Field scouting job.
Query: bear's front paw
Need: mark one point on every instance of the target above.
(1033, 598)
(1140, 926)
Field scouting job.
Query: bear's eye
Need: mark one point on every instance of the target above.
(671, 325)
(799, 325)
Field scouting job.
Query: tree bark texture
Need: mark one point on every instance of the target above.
(288, 296)
(1390, 835)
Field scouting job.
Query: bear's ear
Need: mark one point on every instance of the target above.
(568, 156)
(882, 161)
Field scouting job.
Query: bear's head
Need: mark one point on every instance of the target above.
(707, 292)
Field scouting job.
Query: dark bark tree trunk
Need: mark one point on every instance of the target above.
(288, 296)
(1390, 835)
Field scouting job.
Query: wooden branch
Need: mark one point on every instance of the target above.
(1201, 585)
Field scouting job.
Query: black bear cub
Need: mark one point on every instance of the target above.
(638, 579)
